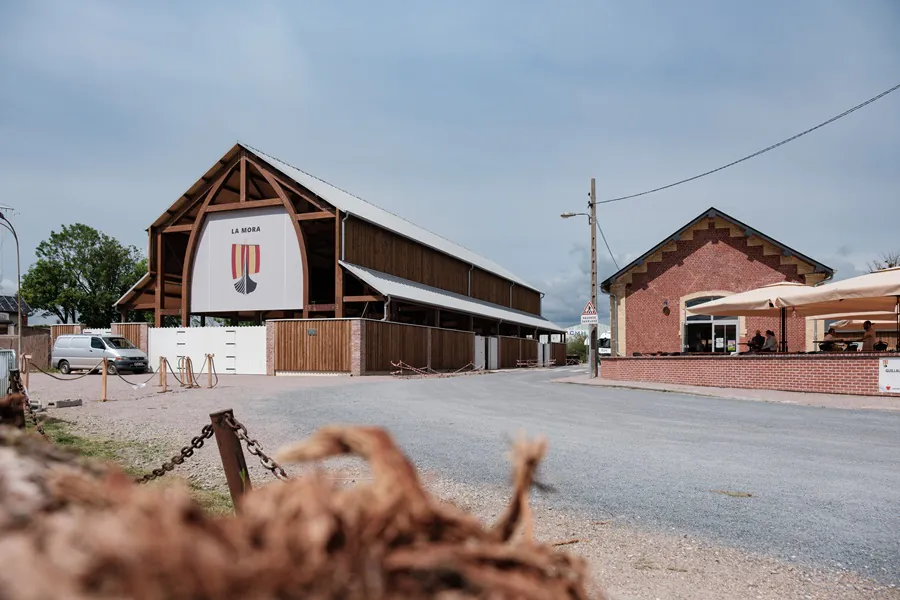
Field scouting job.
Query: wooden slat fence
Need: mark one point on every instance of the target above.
(451, 350)
(131, 332)
(509, 352)
(63, 329)
(558, 353)
(387, 342)
(321, 346)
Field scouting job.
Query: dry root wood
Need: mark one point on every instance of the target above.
(73, 530)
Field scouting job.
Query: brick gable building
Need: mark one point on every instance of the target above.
(714, 255)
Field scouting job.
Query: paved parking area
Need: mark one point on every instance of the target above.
(810, 486)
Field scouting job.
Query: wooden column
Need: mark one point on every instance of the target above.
(437, 317)
(160, 281)
(243, 179)
(338, 271)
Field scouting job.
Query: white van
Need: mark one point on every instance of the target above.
(86, 352)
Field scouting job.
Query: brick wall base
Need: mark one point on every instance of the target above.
(825, 373)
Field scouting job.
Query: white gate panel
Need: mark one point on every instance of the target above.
(493, 353)
(480, 350)
(237, 350)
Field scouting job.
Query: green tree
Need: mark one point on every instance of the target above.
(575, 345)
(80, 272)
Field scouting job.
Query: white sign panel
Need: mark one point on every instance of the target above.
(889, 375)
(247, 260)
(589, 314)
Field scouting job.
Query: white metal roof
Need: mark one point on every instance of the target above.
(140, 281)
(358, 207)
(404, 289)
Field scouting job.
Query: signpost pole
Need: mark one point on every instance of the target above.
(593, 219)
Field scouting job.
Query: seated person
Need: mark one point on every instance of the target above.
(756, 342)
(771, 344)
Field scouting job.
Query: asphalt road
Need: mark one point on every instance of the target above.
(825, 483)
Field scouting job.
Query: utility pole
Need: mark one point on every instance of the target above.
(593, 206)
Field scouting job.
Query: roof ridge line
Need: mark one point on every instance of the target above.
(361, 199)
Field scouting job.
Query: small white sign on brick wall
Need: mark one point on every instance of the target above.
(889, 375)
(237, 350)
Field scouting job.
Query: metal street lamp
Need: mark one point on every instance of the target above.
(6, 223)
(592, 220)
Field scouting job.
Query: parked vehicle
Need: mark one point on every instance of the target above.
(86, 352)
(603, 345)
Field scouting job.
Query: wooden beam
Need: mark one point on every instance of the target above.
(338, 271)
(202, 192)
(159, 300)
(320, 307)
(187, 268)
(244, 205)
(314, 215)
(363, 298)
(179, 228)
(243, 179)
(169, 312)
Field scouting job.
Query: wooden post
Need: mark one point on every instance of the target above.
(104, 376)
(209, 369)
(160, 296)
(236, 473)
(163, 375)
(26, 363)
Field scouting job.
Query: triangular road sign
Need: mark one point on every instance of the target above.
(589, 314)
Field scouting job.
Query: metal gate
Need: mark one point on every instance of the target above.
(7, 363)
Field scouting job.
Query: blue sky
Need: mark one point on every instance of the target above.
(481, 121)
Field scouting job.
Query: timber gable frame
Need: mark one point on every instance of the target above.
(246, 179)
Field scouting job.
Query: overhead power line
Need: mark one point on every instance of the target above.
(763, 151)
(602, 235)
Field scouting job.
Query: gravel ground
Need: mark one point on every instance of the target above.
(630, 559)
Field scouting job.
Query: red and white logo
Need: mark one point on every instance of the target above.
(244, 263)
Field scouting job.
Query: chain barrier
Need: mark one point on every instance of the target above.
(173, 371)
(254, 448)
(36, 421)
(186, 452)
(136, 385)
(85, 374)
(31, 418)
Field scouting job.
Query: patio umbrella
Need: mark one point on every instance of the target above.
(873, 292)
(855, 325)
(759, 302)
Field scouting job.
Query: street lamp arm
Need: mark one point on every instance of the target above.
(6, 223)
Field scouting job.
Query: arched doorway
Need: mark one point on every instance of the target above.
(704, 333)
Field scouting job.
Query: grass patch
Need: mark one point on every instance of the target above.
(125, 454)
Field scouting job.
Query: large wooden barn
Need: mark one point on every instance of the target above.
(255, 239)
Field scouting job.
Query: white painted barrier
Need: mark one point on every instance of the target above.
(480, 351)
(237, 350)
(493, 361)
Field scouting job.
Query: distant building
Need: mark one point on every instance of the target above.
(714, 255)
(9, 314)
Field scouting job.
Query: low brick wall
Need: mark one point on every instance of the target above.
(855, 373)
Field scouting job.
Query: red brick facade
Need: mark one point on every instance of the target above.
(715, 257)
(823, 373)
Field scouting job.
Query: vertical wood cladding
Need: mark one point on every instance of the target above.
(371, 246)
(451, 349)
(392, 342)
(297, 348)
(526, 300)
(490, 288)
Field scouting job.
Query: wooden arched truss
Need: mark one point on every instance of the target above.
(239, 181)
